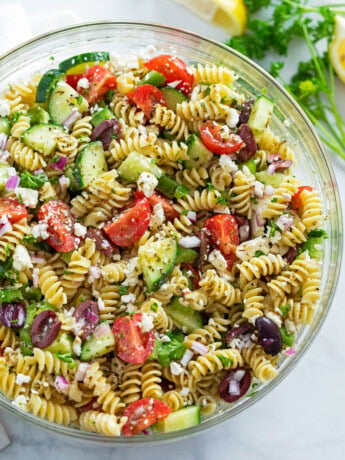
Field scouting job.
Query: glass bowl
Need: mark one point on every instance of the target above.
(314, 168)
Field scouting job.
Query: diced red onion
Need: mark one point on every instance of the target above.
(91, 316)
(35, 277)
(95, 272)
(81, 371)
(72, 118)
(61, 384)
(191, 215)
(284, 222)
(37, 260)
(64, 182)
(290, 351)
(100, 331)
(238, 375)
(278, 166)
(186, 357)
(234, 388)
(273, 158)
(12, 182)
(271, 169)
(190, 242)
(5, 226)
(244, 233)
(259, 188)
(60, 164)
(199, 348)
(4, 156)
(38, 171)
(3, 141)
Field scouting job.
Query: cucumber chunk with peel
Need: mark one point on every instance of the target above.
(179, 420)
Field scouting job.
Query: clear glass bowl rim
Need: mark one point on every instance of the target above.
(178, 435)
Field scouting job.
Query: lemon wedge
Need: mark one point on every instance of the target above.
(228, 14)
(337, 48)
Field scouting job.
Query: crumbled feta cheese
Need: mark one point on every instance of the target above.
(77, 346)
(28, 196)
(131, 308)
(132, 272)
(259, 189)
(217, 260)
(20, 402)
(157, 217)
(164, 338)
(232, 118)
(227, 164)
(126, 62)
(290, 326)
(21, 379)
(176, 368)
(128, 298)
(174, 83)
(21, 258)
(79, 229)
(100, 304)
(94, 274)
(222, 210)
(146, 323)
(247, 249)
(147, 183)
(184, 391)
(275, 318)
(35, 277)
(83, 83)
(147, 52)
(4, 108)
(40, 231)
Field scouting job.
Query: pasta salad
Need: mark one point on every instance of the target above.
(157, 254)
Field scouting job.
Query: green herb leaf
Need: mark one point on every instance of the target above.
(9, 295)
(259, 253)
(285, 310)
(29, 180)
(225, 361)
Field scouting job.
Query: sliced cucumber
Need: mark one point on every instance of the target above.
(153, 78)
(79, 63)
(314, 244)
(5, 173)
(170, 188)
(157, 259)
(38, 115)
(63, 101)
(47, 83)
(184, 316)
(135, 164)
(260, 116)
(251, 165)
(198, 154)
(101, 115)
(43, 138)
(172, 97)
(267, 179)
(94, 347)
(185, 255)
(90, 163)
(62, 344)
(5, 125)
(179, 420)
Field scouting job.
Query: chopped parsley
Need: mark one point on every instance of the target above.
(29, 180)
(123, 290)
(166, 352)
(285, 310)
(259, 253)
(225, 361)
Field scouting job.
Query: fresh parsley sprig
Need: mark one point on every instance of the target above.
(312, 85)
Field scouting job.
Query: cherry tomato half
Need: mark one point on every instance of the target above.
(218, 140)
(157, 198)
(130, 225)
(12, 209)
(101, 80)
(145, 97)
(174, 70)
(222, 231)
(60, 223)
(72, 79)
(132, 344)
(143, 413)
(296, 202)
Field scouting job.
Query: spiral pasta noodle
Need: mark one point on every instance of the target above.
(99, 422)
(211, 73)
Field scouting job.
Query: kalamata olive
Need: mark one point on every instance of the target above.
(269, 336)
(237, 331)
(204, 248)
(250, 147)
(291, 254)
(235, 384)
(245, 112)
(106, 131)
(12, 314)
(101, 242)
(87, 315)
(91, 405)
(45, 328)
(166, 385)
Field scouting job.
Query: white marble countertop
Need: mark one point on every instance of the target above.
(303, 418)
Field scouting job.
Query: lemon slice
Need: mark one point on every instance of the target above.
(228, 14)
(337, 48)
